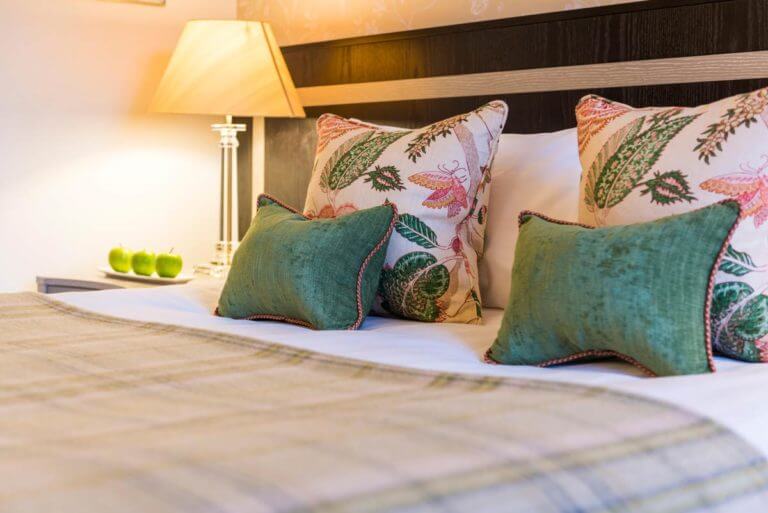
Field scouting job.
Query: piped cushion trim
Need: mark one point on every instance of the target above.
(271, 198)
(711, 285)
(267, 317)
(592, 353)
(527, 213)
(596, 353)
(361, 313)
(364, 266)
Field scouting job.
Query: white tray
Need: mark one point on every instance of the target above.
(131, 276)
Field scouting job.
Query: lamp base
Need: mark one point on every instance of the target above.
(213, 270)
(221, 261)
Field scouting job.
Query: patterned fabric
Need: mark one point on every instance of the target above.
(438, 178)
(622, 291)
(102, 414)
(321, 274)
(643, 164)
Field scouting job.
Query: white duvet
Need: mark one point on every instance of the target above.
(735, 396)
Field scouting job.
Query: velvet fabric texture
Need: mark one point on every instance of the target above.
(322, 274)
(639, 292)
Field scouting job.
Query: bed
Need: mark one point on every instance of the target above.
(142, 400)
(129, 400)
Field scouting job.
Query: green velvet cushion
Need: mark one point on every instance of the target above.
(322, 273)
(639, 292)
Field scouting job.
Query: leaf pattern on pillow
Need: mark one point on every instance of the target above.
(739, 320)
(426, 136)
(330, 127)
(418, 146)
(401, 288)
(413, 286)
(738, 263)
(354, 157)
(667, 188)
(593, 114)
(627, 157)
(609, 149)
(415, 230)
(739, 313)
(384, 178)
(744, 112)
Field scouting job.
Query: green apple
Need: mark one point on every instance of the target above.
(169, 265)
(143, 263)
(120, 259)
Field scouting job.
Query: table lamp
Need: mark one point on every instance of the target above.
(230, 68)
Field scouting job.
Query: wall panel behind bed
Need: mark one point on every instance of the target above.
(634, 45)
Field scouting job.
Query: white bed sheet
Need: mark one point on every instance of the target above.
(734, 396)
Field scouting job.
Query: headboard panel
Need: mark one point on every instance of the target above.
(566, 42)
(654, 29)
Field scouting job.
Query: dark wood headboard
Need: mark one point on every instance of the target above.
(662, 52)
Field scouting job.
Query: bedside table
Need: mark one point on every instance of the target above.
(56, 285)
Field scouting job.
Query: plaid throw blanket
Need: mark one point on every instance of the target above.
(107, 415)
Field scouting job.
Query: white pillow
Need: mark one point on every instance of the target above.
(538, 172)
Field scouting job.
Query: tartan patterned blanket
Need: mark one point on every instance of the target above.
(100, 414)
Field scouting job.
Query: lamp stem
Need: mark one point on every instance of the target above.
(229, 233)
(234, 224)
(222, 188)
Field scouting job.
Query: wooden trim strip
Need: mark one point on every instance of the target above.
(711, 283)
(680, 70)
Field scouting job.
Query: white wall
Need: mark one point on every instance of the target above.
(301, 21)
(83, 167)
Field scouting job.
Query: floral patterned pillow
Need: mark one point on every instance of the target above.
(438, 178)
(643, 164)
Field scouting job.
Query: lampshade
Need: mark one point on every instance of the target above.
(227, 67)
